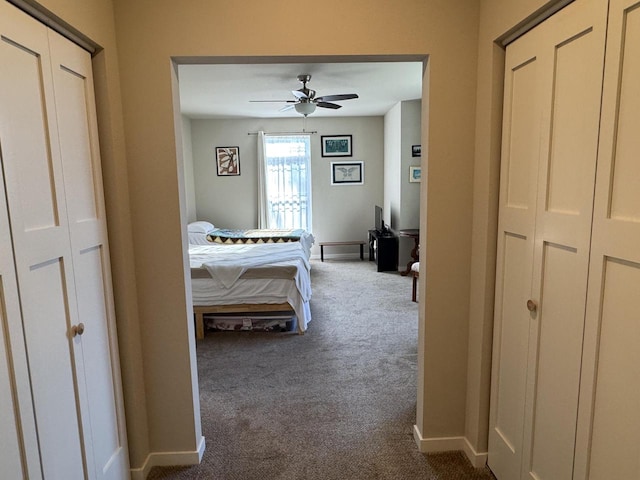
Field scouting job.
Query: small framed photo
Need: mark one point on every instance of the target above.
(228, 161)
(416, 150)
(336, 145)
(415, 174)
(347, 173)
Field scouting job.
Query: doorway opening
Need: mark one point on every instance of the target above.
(216, 198)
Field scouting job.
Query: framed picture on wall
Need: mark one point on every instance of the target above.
(336, 145)
(347, 173)
(415, 174)
(228, 161)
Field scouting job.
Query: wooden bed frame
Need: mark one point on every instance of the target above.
(200, 310)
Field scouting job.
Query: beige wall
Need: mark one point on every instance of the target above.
(151, 32)
(339, 212)
(402, 129)
(497, 18)
(189, 180)
(392, 149)
(463, 150)
(410, 199)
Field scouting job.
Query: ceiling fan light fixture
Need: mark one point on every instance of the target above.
(305, 108)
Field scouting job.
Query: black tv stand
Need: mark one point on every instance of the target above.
(383, 249)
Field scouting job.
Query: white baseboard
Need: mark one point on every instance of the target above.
(478, 460)
(166, 459)
(447, 444)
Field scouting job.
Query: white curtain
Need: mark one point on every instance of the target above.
(263, 202)
(286, 184)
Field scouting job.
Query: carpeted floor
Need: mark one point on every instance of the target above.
(335, 403)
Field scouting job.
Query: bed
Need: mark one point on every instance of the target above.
(254, 273)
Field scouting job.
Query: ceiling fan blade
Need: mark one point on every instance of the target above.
(272, 101)
(286, 108)
(333, 98)
(299, 94)
(335, 106)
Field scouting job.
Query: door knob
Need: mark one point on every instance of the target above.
(77, 329)
(531, 305)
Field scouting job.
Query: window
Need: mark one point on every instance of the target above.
(288, 181)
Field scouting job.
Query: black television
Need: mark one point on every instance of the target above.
(379, 221)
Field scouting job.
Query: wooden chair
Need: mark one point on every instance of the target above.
(415, 271)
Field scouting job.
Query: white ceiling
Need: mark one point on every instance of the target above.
(225, 91)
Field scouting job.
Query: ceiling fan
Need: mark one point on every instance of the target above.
(306, 101)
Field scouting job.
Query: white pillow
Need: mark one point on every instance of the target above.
(197, 238)
(200, 227)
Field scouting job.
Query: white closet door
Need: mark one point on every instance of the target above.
(609, 420)
(36, 200)
(96, 350)
(519, 173)
(12, 448)
(573, 59)
(10, 442)
(543, 248)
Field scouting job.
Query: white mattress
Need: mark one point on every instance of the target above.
(211, 290)
(208, 291)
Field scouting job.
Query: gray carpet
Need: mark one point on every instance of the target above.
(335, 403)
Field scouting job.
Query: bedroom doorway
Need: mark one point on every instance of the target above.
(231, 202)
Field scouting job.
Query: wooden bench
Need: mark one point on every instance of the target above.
(340, 244)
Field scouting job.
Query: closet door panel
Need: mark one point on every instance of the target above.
(27, 80)
(573, 124)
(616, 417)
(46, 324)
(11, 445)
(609, 419)
(558, 356)
(523, 135)
(36, 201)
(625, 167)
(10, 441)
(96, 348)
(573, 59)
(510, 387)
(18, 443)
(19, 455)
(520, 147)
(94, 352)
(76, 137)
